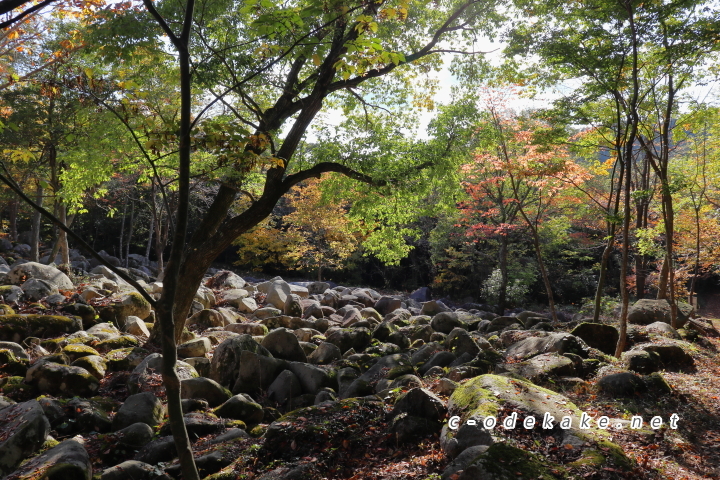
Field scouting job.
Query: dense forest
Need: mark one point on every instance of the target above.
(531, 171)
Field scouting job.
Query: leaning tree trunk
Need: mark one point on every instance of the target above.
(604, 260)
(503, 262)
(36, 225)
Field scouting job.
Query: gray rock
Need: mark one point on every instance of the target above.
(36, 289)
(20, 273)
(433, 307)
(207, 318)
(356, 338)
(160, 450)
(641, 361)
(55, 378)
(15, 348)
(439, 359)
(597, 335)
(278, 293)
(540, 367)
(420, 402)
(194, 348)
(646, 311)
(454, 442)
(463, 461)
(23, 430)
(225, 279)
(135, 436)
(445, 322)
(459, 341)
(555, 342)
(135, 470)
(142, 407)
(241, 407)
(386, 305)
(409, 428)
(68, 460)
(293, 306)
(622, 384)
(255, 329)
(256, 372)
(225, 364)
(204, 388)
(153, 363)
(663, 329)
(282, 343)
(313, 379)
(285, 387)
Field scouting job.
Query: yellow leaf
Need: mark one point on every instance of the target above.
(316, 59)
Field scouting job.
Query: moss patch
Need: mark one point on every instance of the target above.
(16, 328)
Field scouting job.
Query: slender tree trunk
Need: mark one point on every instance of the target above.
(543, 272)
(151, 230)
(624, 290)
(122, 230)
(12, 217)
(62, 236)
(503, 262)
(603, 274)
(36, 225)
(696, 269)
(130, 232)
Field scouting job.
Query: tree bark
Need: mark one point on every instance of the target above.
(503, 262)
(36, 225)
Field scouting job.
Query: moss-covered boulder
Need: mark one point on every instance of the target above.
(16, 328)
(94, 364)
(20, 273)
(125, 358)
(78, 350)
(501, 397)
(86, 312)
(67, 460)
(16, 389)
(23, 429)
(57, 379)
(5, 309)
(129, 304)
(114, 343)
(12, 365)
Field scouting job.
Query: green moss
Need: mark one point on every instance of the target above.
(505, 462)
(5, 309)
(236, 424)
(75, 351)
(12, 365)
(123, 341)
(590, 458)
(125, 358)
(18, 327)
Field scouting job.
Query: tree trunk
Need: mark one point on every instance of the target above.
(130, 232)
(696, 269)
(543, 272)
(62, 236)
(12, 218)
(603, 274)
(503, 262)
(36, 225)
(122, 231)
(151, 230)
(624, 291)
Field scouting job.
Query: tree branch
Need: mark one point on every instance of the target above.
(82, 243)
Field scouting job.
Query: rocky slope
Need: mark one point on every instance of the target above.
(286, 381)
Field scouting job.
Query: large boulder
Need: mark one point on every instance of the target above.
(23, 430)
(283, 343)
(541, 367)
(278, 293)
(135, 470)
(20, 273)
(445, 322)
(241, 407)
(16, 328)
(142, 407)
(68, 460)
(646, 311)
(151, 366)
(598, 335)
(36, 289)
(225, 279)
(59, 379)
(560, 343)
(226, 364)
(204, 388)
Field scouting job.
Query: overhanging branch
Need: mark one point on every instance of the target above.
(82, 243)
